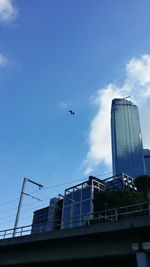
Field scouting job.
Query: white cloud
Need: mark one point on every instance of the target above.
(88, 170)
(8, 12)
(137, 85)
(3, 61)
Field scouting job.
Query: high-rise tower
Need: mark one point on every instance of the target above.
(147, 160)
(127, 146)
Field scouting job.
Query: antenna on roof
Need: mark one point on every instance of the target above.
(126, 97)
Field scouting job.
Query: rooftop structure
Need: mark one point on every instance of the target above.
(119, 182)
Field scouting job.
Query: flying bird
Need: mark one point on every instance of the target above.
(71, 112)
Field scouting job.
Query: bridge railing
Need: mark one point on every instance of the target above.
(107, 215)
(115, 214)
(20, 231)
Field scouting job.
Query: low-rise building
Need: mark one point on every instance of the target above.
(76, 206)
(40, 218)
(78, 202)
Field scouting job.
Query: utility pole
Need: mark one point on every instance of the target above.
(20, 201)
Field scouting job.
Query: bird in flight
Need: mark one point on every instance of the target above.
(71, 112)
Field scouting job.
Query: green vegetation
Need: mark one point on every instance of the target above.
(109, 200)
(105, 202)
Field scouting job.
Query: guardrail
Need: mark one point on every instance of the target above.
(129, 211)
(107, 215)
(20, 231)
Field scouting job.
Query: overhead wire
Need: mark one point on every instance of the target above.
(45, 188)
(57, 185)
(43, 200)
(51, 186)
(37, 190)
(8, 202)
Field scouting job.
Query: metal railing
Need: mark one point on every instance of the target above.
(20, 231)
(129, 211)
(107, 215)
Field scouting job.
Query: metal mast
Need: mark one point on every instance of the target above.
(20, 201)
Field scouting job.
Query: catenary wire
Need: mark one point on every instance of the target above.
(45, 188)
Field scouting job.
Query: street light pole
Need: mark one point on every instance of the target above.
(20, 202)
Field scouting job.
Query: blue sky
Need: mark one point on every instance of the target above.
(57, 55)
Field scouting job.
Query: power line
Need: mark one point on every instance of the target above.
(51, 186)
(27, 210)
(45, 188)
(4, 211)
(8, 202)
(48, 187)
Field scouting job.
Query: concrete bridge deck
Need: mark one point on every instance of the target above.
(105, 243)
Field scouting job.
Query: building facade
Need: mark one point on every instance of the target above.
(126, 139)
(78, 204)
(76, 207)
(48, 218)
(54, 214)
(39, 223)
(147, 160)
(120, 182)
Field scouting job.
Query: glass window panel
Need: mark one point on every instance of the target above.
(76, 209)
(86, 193)
(66, 200)
(76, 219)
(77, 195)
(86, 206)
(67, 212)
(75, 224)
(66, 223)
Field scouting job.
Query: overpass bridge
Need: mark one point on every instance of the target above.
(124, 242)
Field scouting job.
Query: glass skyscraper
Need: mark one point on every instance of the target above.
(126, 139)
(147, 160)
